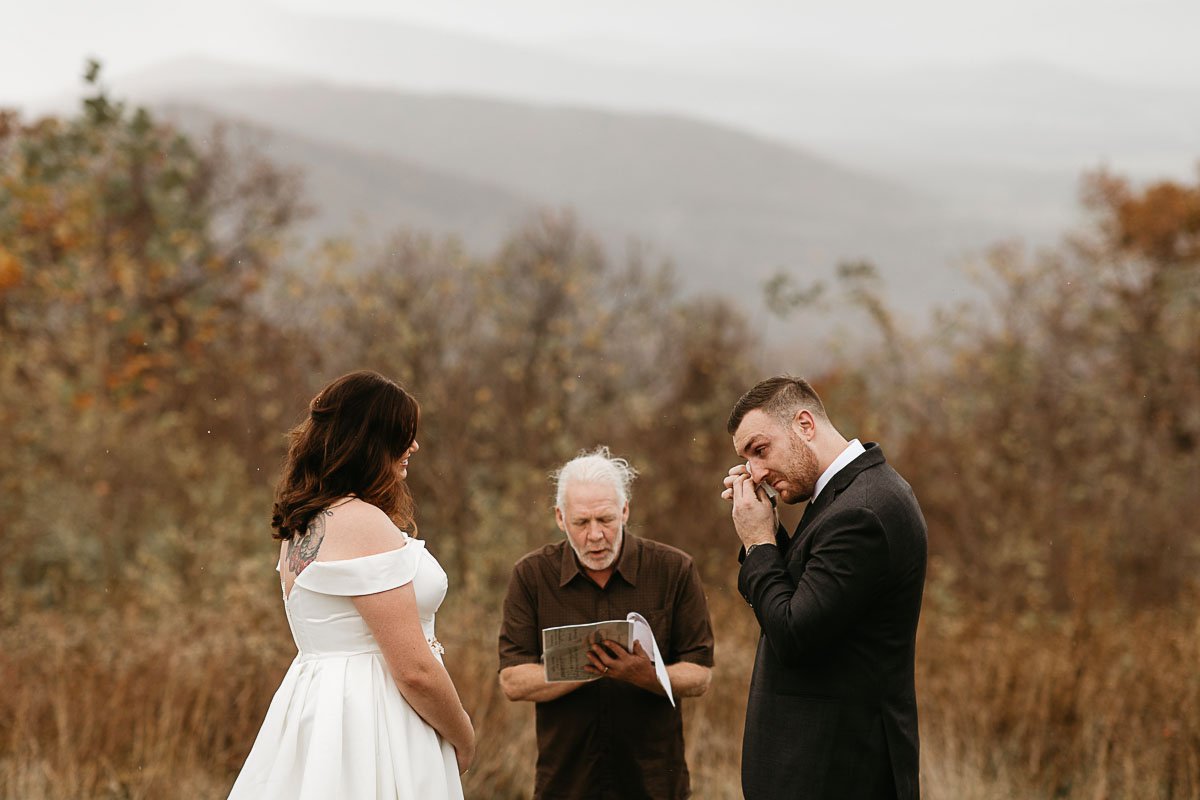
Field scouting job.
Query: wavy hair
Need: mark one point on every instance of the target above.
(595, 466)
(356, 430)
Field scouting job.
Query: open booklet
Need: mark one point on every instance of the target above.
(565, 649)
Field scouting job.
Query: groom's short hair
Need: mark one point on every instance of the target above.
(780, 397)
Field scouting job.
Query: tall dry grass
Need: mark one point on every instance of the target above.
(140, 703)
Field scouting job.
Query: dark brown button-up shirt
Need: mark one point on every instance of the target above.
(608, 740)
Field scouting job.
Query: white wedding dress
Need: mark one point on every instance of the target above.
(338, 727)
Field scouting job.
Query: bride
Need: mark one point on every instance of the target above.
(366, 710)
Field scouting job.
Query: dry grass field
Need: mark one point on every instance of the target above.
(164, 702)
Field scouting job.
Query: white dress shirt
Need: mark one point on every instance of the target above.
(853, 450)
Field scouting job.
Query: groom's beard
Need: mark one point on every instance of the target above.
(800, 472)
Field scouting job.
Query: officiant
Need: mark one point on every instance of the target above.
(616, 735)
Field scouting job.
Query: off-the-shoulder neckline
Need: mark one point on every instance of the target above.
(408, 540)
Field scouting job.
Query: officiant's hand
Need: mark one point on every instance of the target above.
(610, 660)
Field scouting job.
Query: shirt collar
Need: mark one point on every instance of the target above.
(626, 566)
(853, 450)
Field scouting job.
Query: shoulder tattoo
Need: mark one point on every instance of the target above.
(303, 548)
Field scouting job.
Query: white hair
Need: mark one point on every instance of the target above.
(598, 466)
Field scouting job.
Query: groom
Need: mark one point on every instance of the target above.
(832, 711)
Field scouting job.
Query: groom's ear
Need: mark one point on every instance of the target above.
(804, 424)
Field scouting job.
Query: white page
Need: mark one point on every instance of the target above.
(644, 634)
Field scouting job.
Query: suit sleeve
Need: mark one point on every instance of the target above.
(520, 637)
(781, 541)
(846, 565)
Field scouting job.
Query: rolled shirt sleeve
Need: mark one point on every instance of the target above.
(691, 631)
(520, 636)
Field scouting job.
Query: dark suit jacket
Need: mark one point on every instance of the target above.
(833, 709)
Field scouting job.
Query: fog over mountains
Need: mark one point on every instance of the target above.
(729, 209)
(732, 163)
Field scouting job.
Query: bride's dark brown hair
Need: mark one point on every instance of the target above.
(356, 430)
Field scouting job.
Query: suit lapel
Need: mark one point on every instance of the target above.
(837, 484)
(871, 457)
(810, 512)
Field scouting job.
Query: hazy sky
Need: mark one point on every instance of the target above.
(43, 44)
(1151, 36)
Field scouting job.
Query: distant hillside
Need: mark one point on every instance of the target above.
(1000, 143)
(1028, 113)
(728, 207)
(359, 193)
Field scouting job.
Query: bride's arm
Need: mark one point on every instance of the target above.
(422, 680)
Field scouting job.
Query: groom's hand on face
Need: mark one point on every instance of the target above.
(753, 514)
(731, 478)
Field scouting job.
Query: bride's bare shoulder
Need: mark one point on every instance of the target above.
(358, 528)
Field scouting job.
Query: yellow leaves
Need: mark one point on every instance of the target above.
(11, 270)
(593, 338)
(547, 270)
(513, 368)
(330, 317)
(560, 327)
(124, 271)
(65, 236)
(332, 256)
(33, 218)
(271, 249)
(206, 333)
(1160, 222)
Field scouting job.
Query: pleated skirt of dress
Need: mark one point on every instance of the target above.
(339, 728)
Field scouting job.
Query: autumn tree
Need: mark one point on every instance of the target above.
(130, 269)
